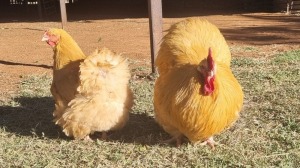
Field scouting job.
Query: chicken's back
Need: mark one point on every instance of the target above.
(180, 106)
(188, 41)
(104, 97)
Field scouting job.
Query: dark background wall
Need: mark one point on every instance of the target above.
(97, 9)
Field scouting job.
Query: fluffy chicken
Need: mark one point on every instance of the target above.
(67, 57)
(104, 97)
(196, 94)
(91, 93)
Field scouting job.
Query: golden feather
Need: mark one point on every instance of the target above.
(104, 97)
(180, 107)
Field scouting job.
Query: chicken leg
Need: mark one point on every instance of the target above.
(104, 136)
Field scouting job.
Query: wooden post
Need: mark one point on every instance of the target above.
(155, 26)
(63, 12)
(40, 10)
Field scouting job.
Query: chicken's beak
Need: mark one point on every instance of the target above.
(45, 38)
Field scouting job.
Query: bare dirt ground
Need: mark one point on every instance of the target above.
(23, 53)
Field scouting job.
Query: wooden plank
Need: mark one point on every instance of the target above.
(155, 26)
(63, 13)
(40, 11)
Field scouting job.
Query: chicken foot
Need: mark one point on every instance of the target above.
(87, 139)
(210, 142)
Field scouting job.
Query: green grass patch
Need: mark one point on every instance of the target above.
(266, 135)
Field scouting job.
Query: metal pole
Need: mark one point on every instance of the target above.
(63, 13)
(155, 26)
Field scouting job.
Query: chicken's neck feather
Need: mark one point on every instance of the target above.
(65, 52)
(225, 82)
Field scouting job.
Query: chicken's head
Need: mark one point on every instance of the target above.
(207, 68)
(52, 37)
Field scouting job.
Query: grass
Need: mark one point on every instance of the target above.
(239, 48)
(266, 135)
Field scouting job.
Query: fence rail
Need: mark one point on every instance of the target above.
(30, 2)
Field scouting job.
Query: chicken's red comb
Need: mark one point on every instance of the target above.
(210, 60)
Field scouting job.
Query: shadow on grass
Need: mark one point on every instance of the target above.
(140, 129)
(34, 118)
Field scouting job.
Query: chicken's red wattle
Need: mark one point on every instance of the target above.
(209, 87)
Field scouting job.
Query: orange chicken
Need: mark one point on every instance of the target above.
(91, 93)
(67, 57)
(104, 97)
(196, 94)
